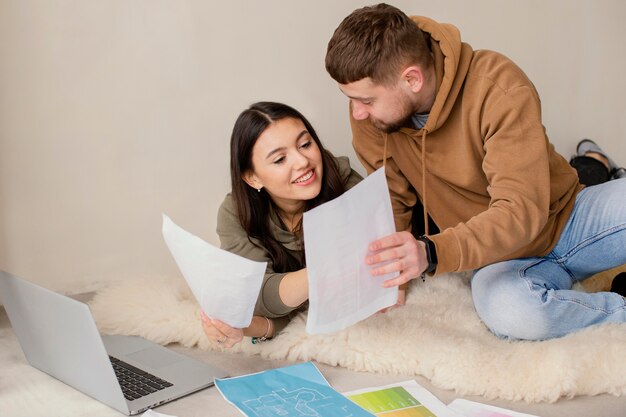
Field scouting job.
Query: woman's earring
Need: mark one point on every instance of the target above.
(259, 189)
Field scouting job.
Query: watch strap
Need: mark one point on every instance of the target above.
(431, 254)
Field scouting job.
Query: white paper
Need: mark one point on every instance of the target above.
(152, 413)
(226, 285)
(473, 409)
(336, 236)
(410, 401)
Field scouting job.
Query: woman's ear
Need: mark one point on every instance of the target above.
(252, 180)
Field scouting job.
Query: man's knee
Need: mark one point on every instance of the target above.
(509, 310)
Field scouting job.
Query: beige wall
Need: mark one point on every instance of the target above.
(112, 112)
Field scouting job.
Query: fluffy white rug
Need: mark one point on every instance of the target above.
(28, 392)
(437, 335)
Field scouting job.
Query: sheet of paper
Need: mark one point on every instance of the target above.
(473, 409)
(152, 413)
(226, 285)
(336, 236)
(292, 391)
(406, 399)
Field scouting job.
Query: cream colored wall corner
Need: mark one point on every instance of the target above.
(113, 112)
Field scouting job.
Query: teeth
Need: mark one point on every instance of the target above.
(305, 177)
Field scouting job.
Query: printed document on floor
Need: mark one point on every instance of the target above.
(405, 399)
(152, 413)
(336, 237)
(293, 391)
(226, 285)
(469, 408)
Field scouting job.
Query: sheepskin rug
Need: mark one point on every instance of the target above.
(436, 335)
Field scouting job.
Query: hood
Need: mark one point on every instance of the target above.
(452, 60)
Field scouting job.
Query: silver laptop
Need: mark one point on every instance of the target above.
(59, 336)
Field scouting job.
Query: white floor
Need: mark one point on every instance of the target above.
(24, 391)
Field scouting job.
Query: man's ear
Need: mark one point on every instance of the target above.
(414, 77)
(252, 180)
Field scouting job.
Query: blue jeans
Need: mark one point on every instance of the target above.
(532, 299)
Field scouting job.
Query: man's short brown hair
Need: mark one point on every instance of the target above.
(375, 42)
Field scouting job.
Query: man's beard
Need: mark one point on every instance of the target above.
(395, 125)
(404, 120)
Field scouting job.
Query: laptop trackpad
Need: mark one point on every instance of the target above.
(154, 357)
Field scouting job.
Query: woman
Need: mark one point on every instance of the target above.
(279, 169)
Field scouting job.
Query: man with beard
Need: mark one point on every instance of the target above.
(460, 135)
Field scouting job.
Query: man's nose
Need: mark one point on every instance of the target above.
(359, 112)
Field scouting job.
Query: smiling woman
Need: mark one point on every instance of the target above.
(288, 165)
(279, 169)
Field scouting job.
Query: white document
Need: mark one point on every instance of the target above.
(226, 285)
(407, 398)
(469, 408)
(152, 413)
(336, 236)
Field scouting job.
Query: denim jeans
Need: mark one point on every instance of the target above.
(532, 299)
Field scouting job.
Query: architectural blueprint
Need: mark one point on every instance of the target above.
(293, 391)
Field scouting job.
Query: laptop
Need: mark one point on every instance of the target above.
(130, 374)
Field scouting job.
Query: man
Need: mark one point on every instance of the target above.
(460, 132)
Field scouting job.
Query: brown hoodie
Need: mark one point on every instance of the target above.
(489, 177)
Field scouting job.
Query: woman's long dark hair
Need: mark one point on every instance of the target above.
(254, 207)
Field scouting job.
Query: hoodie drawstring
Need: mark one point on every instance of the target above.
(385, 152)
(424, 132)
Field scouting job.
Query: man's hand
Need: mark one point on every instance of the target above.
(401, 295)
(398, 252)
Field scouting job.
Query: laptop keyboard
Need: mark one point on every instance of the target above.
(136, 383)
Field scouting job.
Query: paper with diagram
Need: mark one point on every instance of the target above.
(402, 399)
(336, 237)
(226, 285)
(293, 391)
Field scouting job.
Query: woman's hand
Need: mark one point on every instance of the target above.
(220, 333)
(398, 252)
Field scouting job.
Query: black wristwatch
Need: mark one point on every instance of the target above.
(431, 254)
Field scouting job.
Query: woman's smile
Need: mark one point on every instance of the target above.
(306, 179)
